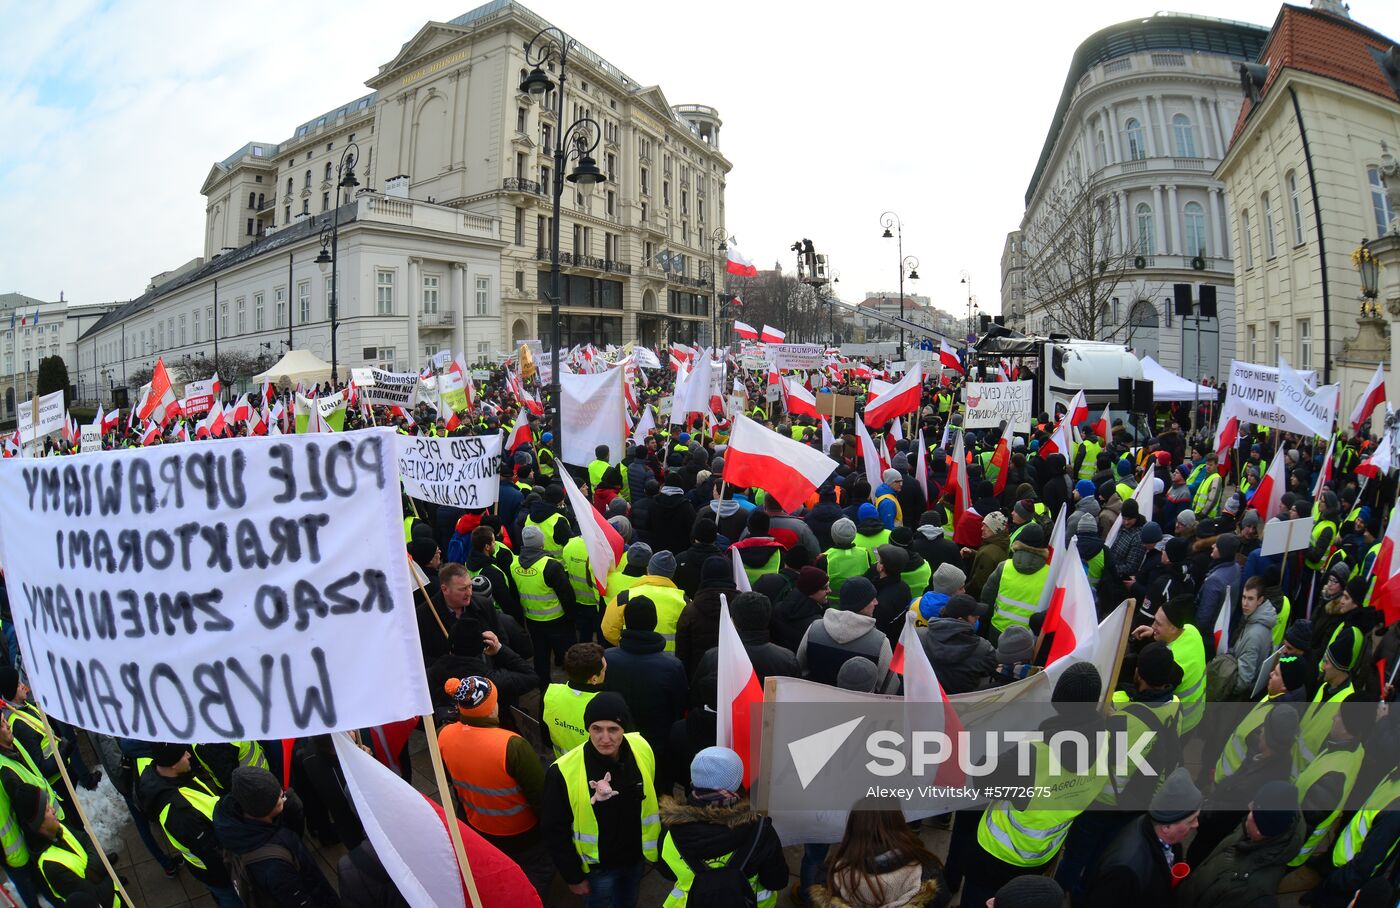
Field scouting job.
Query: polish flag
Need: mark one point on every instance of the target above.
(761, 458)
(160, 403)
(1058, 442)
(268, 391)
(1225, 437)
(737, 264)
(452, 421)
(646, 423)
(739, 696)
(870, 457)
(1222, 623)
(948, 357)
(1078, 409)
(1143, 496)
(602, 543)
(747, 332)
(151, 433)
(1370, 399)
(897, 401)
(519, 435)
(957, 478)
(243, 410)
(111, 420)
(1268, 495)
(800, 401)
(1385, 595)
(1325, 474)
(1072, 616)
(1001, 459)
(741, 577)
(771, 335)
(1101, 427)
(1381, 461)
(1057, 535)
(828, 437)
(182, 433)
(926, 706)
(921, 466)
(257, 423)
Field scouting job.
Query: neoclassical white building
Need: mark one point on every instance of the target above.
(1144, 118)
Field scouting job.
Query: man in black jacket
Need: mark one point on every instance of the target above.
(689, 561)
(490, 559)
(1136, 867)
(890, 589)
(171, 794)
(257, 822)
(962, 659)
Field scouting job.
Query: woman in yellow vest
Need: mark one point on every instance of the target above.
(715, 830)
(599, 811)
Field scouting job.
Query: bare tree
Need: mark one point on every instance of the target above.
(780, 300)
(1078, 264)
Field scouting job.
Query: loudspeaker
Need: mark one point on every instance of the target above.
(1220, 392)
(1181, 296)
(1142, 397)
(1125, 394)
(1207, 301)
(999, 320)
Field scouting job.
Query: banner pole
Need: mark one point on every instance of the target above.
(449, 811)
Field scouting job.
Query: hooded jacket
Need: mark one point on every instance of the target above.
(905, 885)
(701, 832)
(294, 884)
(820, 519)
(756, 551)
(1241, 873)
(892, 601)
(1252, 647)
(991, 554)
(792, 616)
(1223, 576)
(1057, 487)
(851, 632)
(671, 520)
(731, 517)
(962, 659)
(688, 562)
(1024, 559)
(934, 546)
(698, 628)
(185, 824)
(752, 621)
(651, 680)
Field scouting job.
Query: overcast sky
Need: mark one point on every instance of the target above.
(112, 113)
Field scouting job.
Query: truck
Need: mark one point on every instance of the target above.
(1060, 366)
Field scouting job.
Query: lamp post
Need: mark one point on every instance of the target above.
(585, 134)
(1370, 271)
(890, 220)
(967, 284)
(831, 304)
(719, 248)
(330, 237)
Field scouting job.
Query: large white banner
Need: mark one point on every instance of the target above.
(989, 404)
(1251, 397)
(795, 356)
(239, 588)
(460, 471)
(392, 389)
(594, 412)
(1316, 409)
(51, 417)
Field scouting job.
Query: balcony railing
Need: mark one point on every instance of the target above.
(519, 184)
(687, 281)
(619, 267)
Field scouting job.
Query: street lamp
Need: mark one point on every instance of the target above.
(720, 248)
(967, 284)
(585, 134)
(330, 238)
(1370, 271)
(890, 220)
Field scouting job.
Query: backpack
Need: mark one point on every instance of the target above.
(1222, 673)
(238, 865)
(725, 885)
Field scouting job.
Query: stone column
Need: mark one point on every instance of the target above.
(1220, 138)
(1176, 243)
(456, 280)
(1147, 127)
(1216, 221)
(1206, 149)
(1167, 150)
(1157, 228)
(411, 299)
(1111, 128)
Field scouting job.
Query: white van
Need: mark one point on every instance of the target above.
(1062, 367)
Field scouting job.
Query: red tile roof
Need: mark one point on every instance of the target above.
(1323, 44)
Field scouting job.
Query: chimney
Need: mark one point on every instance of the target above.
(397, 187)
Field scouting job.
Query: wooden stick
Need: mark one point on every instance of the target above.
(450, 812)
(413, 572)
(1111, 683)
(82, 814)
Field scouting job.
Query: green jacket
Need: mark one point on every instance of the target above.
(1240, 872)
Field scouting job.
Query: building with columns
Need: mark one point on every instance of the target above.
(1142, 121)
(1013, 281)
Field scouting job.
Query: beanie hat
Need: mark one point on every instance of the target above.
(167, 755)
(891, 476)
(1080, 683)
(1151, 533)
(1024, 509)
(607, 706)
(1085, 488)
(856, 594)
(1345, 648)
(623, 527)
(30, 802)
(962, 605)
(1293, 671)
(717, 568)
(1250, 519)
(618, 507)
(1157, 666)
(1357, 588)
(858, 673)
(995, 521)
(1016, 644)
(1178, 549)
(758, 523)
(1033, 536)
(1130, 509)
(1275, 807)
(902, 536)
(255, 790)
(662, 564)
(1107, 490)
(901, 461)
(1186, 519)
(811, 580)
(638, 553)
(640, 614)
(1299, 634)
(867, 511)
(892, 557)
(1229, 544)
(716, 769)
(9, 682)
(705, 532)
(481, 586)
(475, 696)
(464, 637)
(531, 538)
(1030, 891)
(843, 532)
(1177, 799)
(422, 551)
(1281, 726)
(1124, 468)
(948, 579)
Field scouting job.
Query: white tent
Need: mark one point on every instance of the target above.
(1169, 386)
(298, 366)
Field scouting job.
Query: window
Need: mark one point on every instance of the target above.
(1146, 242)
(182, 329)
(1185, 138)
(430, 294)
(520, 281)
(1252, 341)
(1136, 149)
(519, 226)
(258, 308)
(306, 182)
(249, 229)
(1266, 208)
(1275, 348)
(1304, 343)
(1380, 205)
(286, 214)
(289, 185)
(646, 182)
(387, 357)
(241, 315)
(483, 291)
(279, 306)
(541, 234)
(1195, 223)
(303, 302)
(325, 201)
(194, 321)
(328, 173)
(253, 200)
(1247, 237)
(520, 119)
(1295, 206)
(305, 206)
(383, 292)
(612, 203)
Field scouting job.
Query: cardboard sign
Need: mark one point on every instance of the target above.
(834, 405)
(989, 404)
(1286, 536)
(772, 393)
(392, 389)
(244, 588)
(795, 356)
(90, 440)
(363, 378)
(459, 472)
(51, 417)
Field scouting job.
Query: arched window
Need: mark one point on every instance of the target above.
(1136, 149)
(289, 185)
(1247, 235)
(1195, 229)
(1143, 323)
(252, 200)
(328, 171)
(1185, 138)
(1146, 241)
(1295, 206)
(307, 183)
(1144, 315)
(261, 199)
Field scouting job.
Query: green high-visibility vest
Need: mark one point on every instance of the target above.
(539, 601)
(11, 835)
(596, 469)
(1190, 653)
(1316, 724)
(669, 602)
(1032, 837)
(563, 717)
(25, 715)
(1281, 625)
(1237, 745)
(843, 564)
(1089, 465)
(1206, 503)
(771, 566)
(1168, 713)
(872, 542)
(917, 579)
(580, 573)
(585, 826)
(67, 852)
(1018, 597)
(1094, 567)
(546, 527)
(1349, 842)
(1346, 762)
(203, 801)
(1314, 564)
(685, 876)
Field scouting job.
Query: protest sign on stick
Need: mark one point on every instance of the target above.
(392, 389)
(460, 472)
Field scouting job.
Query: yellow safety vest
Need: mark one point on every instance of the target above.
(11, 835)
(685, 876)
(1281, 625)
(843, 564)
(596, 469)
(1190, 653)
(575, 557)
(1237, 745)
(202, 800)
(1346, 762)
(250, 753)
(1349, 842)
(25, 714)
(771, 566)
(551, 548)
(1316, 724)
(1089, 466)
(872, 542)
(917, 579)
(575, 774)
(69, 853)
(563, 716)
(1032, 837)
(1316, 564)
(1206, 503)
(539, 601)
(1018, 596)
(669, 602)
(1168, 713)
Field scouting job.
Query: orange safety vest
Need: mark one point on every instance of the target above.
(491, 798)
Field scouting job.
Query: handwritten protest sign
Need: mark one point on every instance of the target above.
(90, 440)
(51, 417)
(392, 389)
(989, 404)
(795, 356)
(199, 397)
(459, 471)
(242, 588)
(1252, 394)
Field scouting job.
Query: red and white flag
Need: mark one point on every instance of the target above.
(1058, 442)
(1072, 617)
(160, 403)
(762, 459)
(1324, 475)
(1268, 495)
(243, 410)
(1101, 427)
(1078, 409)
(828, 437)
(899, 400)
(1385, 594)
(747, 332)
(739, 696)
(1225, 437)
(948, 357)
(771, 335)
(800, 401)
(870, 458)
(1057, 535)
(601, 541)
(1369, 400)
(1381, 461)
(1222, 623)
(921, 466)
(926, 706)
(151, 433)
(646, 423)
(519, 435)
(110, 420)
(741, 577)
(1143, 496)
(737, 264)
(957, 478)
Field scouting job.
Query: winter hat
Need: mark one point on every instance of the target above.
(1025, 509)
(422, 551)
(962, 606)
(891, 476)
(532, 538)
(1250, 520)
(1345, 648)
(30, 802)
(1124, 468)
(475, 696)
(1086, 524)
(843, 532)
(706, 532)
(167, 755)
(1299, 634)
(716, 568)
(1030, 891)
(662, 564)
(1357, 588)
(623, 527)
(856, 594)
(1177, 799)
(617, 507)
(1017, 644)
(255, 790)
(811, 580)
(858, 673)
(1151, 533)
(1293, 671)
(1275, 808)
(1186, 519)
(948, 579)
(892, 557)
(1080, 683)
(758, 523)
(1178, 549)
(1032, 536)
(867, 511)
(1281, 726)
(1085, 488)
(996, 522)
(640, 614)
(1130, 509)
(1228, 544)
(716, 769)
(464, 637)
(481, 586)
(1157, 665)
(607, 706)
(638, 553)
(9, 681)
(717, 465)
(902, 536)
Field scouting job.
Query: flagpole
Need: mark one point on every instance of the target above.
(449, 811)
